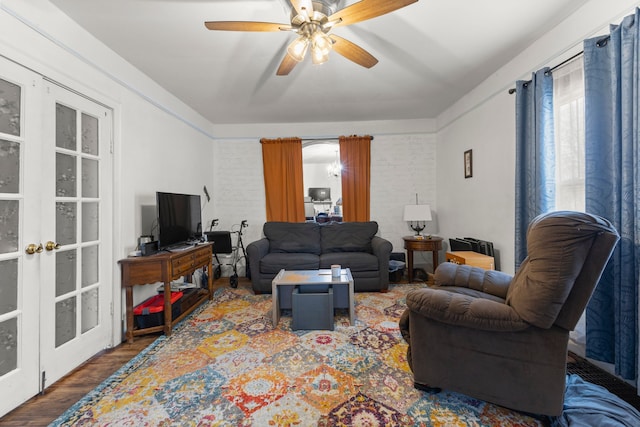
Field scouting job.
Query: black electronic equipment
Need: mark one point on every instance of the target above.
(460, 245)
(475, 243)
(320, 194)
(483, 246)
(179, 219)
(149, 248)
(472, 244)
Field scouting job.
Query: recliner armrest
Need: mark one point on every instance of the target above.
(464, 310)
(491, 282)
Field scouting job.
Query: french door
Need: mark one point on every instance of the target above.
(76, 285)
(20, 133)
(56, 290)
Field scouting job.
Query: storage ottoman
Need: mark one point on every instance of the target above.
(312, 307)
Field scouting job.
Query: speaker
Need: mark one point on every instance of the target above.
(149, 248)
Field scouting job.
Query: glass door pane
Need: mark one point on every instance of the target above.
(77, 223)
(10, 153)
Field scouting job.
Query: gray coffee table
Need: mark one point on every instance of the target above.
(290, 279)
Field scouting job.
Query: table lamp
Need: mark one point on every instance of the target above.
(417, 217)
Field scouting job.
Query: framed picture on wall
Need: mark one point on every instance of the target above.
(468, 164)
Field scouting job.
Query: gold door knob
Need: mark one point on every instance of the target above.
(33, 248)
(51, 245)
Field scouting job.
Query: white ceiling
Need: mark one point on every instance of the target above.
(430, 54)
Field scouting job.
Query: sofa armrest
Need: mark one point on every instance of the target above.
(490, 282)
(382, 248)
(256, 250)
(464, 310)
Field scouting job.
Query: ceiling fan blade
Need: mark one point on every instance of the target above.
(353, 52)
(286, 65)
(299, 5)
(246, 26)
(367, 9)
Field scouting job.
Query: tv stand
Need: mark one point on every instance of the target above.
(165, 267)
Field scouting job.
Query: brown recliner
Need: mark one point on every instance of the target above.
(504, 339)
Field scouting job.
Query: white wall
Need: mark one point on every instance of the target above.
(238, 186)
(401, 167)
(481, 206)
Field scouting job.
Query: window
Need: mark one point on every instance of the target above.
(568, 105)
(568, 110)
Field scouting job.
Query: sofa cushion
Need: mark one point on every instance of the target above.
(291, 237)
(347, 236)
(356, 261)
(272, 263)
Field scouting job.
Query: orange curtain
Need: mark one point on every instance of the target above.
(355, 156)
(284, 191)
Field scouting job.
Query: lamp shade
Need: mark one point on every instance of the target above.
(298, 48)
(417, 213)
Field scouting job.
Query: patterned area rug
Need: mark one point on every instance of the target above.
(227, 365)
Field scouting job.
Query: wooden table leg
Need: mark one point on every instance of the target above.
(167, 309)
(435, 260)
(275, 313)
(410, 264)
(210, 278)
(128, 291)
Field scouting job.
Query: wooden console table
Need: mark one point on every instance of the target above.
(413, 243)
(165, 267)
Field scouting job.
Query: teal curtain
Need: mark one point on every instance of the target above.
(612, 181)
(535, 154)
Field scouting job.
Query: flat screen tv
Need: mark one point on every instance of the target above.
(179, 219)
(320, 194)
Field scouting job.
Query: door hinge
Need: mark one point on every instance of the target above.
(43, 381)
(111, 308)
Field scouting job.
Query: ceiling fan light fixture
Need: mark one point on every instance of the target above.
(318, 56)
(321, 41)
(321, 45)
(298, 48)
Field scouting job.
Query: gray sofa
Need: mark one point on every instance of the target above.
(311, 246)
(504, 339)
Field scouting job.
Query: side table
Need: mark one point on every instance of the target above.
(421, 243)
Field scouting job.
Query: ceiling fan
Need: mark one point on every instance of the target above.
(313, 22)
